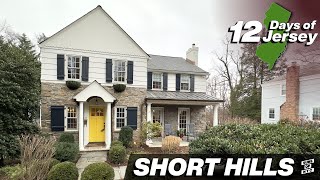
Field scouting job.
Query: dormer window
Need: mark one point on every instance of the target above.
(74, 67)
(157, 81)
(185, 83)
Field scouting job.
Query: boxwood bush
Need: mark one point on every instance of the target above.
(63, 171)
(115, 143)
(125, 136)
(117, 154)
(98, 171)
(257, 139)
(54, 162)
(66, 151)
(66, 137)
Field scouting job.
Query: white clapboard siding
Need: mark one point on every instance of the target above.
(200, 83)
(171, 82)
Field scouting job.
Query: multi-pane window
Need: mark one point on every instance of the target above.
(316, 114)
(120, 71)
(156, 81)
(183, 120)
(185, 83)
(156, 115)
(71, 119)
(271, 113)
(120, 117)
(73, 67)
(283, 89)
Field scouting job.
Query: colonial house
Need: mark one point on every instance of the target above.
(97, 53)
(294, 96)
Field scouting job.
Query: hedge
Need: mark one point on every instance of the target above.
(98, 171)
(126, 135)
(66, 137)
(66, 151)
(117, 154)
(257, 139)
(64, 171)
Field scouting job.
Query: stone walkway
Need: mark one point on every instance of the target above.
(87, 158)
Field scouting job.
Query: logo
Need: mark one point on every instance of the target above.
(307, 166)
(279, 33)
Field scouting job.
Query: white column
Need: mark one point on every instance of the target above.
(215, 115)
(108, 127)
(149, 119)
(81, 147)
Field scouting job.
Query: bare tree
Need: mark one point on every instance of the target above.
(309, 55)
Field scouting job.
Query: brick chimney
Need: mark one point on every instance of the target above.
(290, 109)
(192, 55)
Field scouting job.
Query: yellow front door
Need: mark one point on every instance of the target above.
(96, 131)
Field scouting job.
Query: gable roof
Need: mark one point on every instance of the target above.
(87, 14)
(305, 70)
(173, 64)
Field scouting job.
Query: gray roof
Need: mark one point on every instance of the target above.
(305, 70)
(183, 96)
(173, 64)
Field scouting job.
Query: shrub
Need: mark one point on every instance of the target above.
(54, 162)
(66, 137)
(119, 87)
(73, 85)
(64, 171)
(116, 143)
(257, 139)
(36, 155)
(154, 129)
(12, 172)
(170, 144)
(117, 154)
(66, 151)
(98, 171)
(125, 135)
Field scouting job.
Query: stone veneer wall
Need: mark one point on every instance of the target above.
(197, 116)
(58, 94)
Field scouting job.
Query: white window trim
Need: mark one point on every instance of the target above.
(181, 83)
(161, 75)
(161, 115)
(115, 117)
(281, 89)
(113, 73)
(66, 119)
(66, 67)
(274, 113)
(311, 116)
(188, 116)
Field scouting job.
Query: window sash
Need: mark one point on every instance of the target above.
(71, 118)
(316, 114)
(156, 81)
(185, 83)
(120, 117)
(120, 71)
(271, 113)
(74, 64)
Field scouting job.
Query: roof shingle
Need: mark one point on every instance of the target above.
(183, 96)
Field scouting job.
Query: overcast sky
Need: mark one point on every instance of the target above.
(164, 27)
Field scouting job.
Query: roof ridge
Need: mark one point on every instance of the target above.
(166, 56)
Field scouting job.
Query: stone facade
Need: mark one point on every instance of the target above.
(58, 94)
(197, 116)
(290, 109)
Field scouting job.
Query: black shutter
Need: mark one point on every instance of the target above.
(85, 68)
(192, 83)
(149, 83)
(130, 72)
(109, 70)
(60, 66)
(165, 81)
(57, 118)
(132, 117)
(178, 76)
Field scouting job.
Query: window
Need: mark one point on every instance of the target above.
(73, 67)
(283, 89)
(157, 114)
(185, 83)
(71, 119)
(316, 114)
(271, 113)
(120, 117)
(157, 81)
(120, 71)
